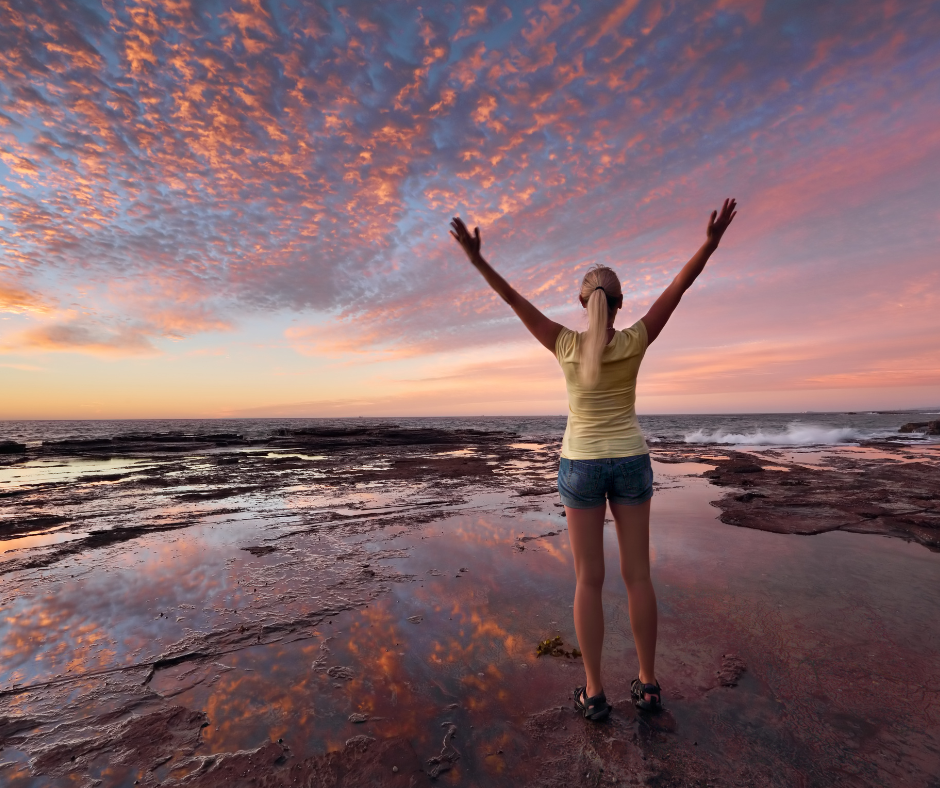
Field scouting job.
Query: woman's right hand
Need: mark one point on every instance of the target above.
(718, 223)
(470, 243)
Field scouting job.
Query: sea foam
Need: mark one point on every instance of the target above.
(796, 434)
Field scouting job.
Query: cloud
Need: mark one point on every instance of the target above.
(83, 337)
(166, 170)
(18, 300)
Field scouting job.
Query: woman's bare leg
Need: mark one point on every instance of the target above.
(586, 533)
(633, 534)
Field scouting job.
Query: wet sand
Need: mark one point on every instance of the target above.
(364, 607)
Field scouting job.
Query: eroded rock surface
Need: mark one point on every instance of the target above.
(891, 496)
(320, 614)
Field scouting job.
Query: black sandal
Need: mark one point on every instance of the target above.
(595, 708)
(639, 691)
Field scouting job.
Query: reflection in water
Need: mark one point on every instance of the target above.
(397, 627)
(57, 471)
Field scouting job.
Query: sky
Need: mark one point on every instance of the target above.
(218, 209)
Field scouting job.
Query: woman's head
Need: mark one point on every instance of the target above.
(602, 296)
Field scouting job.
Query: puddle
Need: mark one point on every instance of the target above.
(38, 540)
(831, 459)
(299, 456)
(56, 471)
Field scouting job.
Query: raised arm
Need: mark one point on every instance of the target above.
(544, 330)
(665, 305)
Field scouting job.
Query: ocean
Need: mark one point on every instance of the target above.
(752, 429)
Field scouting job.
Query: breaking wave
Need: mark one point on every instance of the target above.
(794, 435)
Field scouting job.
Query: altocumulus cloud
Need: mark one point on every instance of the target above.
(168, 165)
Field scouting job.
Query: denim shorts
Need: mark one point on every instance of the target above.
(586, 484)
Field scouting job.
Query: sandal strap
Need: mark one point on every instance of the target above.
(595, 701)
(639, 689)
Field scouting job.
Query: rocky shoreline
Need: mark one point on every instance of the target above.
(889, 492)
(244, 558)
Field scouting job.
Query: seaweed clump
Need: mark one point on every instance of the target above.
(554, 647)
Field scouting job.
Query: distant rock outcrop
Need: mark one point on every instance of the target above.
(927, 427)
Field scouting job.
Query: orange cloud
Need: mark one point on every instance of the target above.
(19, 300)
(166, 169)
(78, 337)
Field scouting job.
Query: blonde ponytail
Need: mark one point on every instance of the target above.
(601, 290)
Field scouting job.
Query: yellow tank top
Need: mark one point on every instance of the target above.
(602, 420)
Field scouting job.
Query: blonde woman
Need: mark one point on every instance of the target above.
(604, 457)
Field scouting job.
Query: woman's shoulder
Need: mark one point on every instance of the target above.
(635, 337)
(566, 342)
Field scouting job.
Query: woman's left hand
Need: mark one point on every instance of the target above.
(470, 243)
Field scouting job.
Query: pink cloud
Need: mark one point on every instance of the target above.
(169, 170)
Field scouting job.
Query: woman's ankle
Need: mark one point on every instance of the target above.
(648, 678)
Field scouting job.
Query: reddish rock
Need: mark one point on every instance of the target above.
(732, 666)
(363, 763)
(862, 494)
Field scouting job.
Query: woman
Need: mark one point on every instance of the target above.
(603, 454)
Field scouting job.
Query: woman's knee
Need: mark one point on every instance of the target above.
(636, 577)
(591, 576)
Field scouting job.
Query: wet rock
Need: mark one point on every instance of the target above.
(12, 447)
(260, 550)
(10, 726)
(540, 536)
(356, 718)
(217, 494)
(24, 525)
(78, 443)
(146, 740)
(416, 619)
(531, 491)
(449, 754)
(102, 477)
(861, 495)
(364, 761)
(730, 670)
(927, 427)
(340, 672)
(628, 749)
(738, 466)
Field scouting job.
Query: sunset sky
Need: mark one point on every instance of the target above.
(241, 208)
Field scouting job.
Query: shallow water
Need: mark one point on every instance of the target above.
(419, 622)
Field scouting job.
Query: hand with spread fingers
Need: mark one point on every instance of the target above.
(470, 243)
(718, 223)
